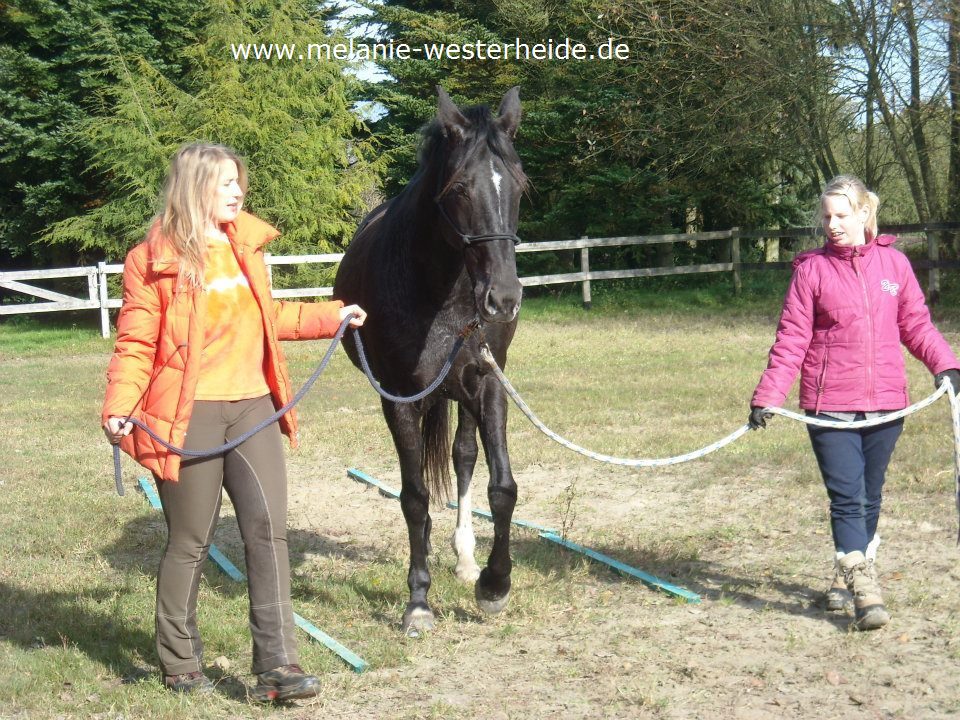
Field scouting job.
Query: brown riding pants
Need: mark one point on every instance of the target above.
(254, 476)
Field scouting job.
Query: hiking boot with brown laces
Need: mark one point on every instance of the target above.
(287, 682)
(192, 682)
(860, 576)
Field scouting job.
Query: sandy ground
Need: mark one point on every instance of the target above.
(759, 645)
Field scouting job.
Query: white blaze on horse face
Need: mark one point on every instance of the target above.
(464, 542)
(496, 178)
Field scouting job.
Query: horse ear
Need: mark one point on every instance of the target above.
(448, 114)
(509, 112)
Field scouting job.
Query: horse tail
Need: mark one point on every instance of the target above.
(434, 457)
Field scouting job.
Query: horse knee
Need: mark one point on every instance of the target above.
(415, 506)
(502, 497)
(464, 460)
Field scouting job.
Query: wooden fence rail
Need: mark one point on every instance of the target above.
(98, 297)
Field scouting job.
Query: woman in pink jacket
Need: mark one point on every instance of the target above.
(850, 305)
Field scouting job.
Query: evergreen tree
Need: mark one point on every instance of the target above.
(696, 118)
(52, 66)
(292, 121)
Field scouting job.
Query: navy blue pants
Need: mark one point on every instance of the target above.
(853, 464)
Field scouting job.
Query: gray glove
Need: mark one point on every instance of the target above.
(952, 375)
(758, 417)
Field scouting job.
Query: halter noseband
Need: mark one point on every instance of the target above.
(469, 240)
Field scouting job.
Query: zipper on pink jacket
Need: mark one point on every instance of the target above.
(822, 380)
(870, 339)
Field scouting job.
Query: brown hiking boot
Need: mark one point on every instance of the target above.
(860, 576)
(287, 682)
(192, 682)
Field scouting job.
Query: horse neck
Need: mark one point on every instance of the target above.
(415, 261)
(429, 251)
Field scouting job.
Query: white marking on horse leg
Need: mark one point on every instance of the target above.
(496, 178)
(464, 541)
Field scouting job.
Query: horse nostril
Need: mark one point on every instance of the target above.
(500, 307)
(491, 307)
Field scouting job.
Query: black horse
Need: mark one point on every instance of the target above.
(428, 265)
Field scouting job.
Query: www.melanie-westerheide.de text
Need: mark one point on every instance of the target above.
(565, 49)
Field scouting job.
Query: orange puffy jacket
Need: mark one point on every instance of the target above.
(153, 373)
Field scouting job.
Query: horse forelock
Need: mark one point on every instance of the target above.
(481, 129)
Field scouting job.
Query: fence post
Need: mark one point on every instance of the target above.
(104, 310)
(585, 269)
(735, 259)
(771, 249)
(933, 276)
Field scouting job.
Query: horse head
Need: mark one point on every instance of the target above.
(478, 197)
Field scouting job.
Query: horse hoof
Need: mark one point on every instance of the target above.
(467, 574)
(488, 606)
(417, 620)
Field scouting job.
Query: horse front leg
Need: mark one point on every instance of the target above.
(464, 460)
(404, 423)
(492, 589)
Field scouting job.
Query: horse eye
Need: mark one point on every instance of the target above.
(459, 188)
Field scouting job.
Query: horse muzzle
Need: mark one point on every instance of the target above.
(499, 305)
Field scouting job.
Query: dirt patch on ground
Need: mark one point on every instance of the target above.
(595, 645)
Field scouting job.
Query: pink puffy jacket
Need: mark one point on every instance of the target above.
(845, 314)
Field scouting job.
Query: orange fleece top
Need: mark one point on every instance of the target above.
(231, 365)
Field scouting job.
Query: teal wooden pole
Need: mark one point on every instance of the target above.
(223, 562)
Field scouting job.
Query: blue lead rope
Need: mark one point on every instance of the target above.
(227, 447)
(245, 436)
(461, 339)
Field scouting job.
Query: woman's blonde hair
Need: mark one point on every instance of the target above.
(189, 193)
(853, 189)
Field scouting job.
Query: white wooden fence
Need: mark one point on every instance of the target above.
(98, 296)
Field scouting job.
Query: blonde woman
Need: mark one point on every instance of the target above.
(198, 360)
(850, 305)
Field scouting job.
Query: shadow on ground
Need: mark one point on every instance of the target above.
(139, 548)
(89, 621)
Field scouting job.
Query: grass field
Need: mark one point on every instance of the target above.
(642, 374)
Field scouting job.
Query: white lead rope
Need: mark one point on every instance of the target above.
(945, 387)
(628, 462)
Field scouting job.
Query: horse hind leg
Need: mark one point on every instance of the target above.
(464, 460)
